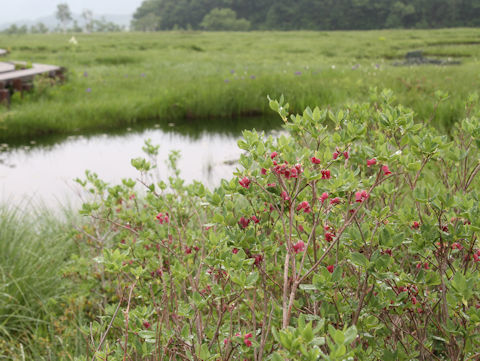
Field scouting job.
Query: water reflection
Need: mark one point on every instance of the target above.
(45, 168)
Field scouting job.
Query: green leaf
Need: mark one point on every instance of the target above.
(439, 339)
(275, 334)
(145, 334)
(204, 353)
(243, 145)
(459, 283)
(252, 279)
(389, 355)
(350, 334)
(359, 259)
(218, 218)
(308, 333)
(306, 287)
(277, 357)
(316, 114)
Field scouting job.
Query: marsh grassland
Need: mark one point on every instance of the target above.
(114, 80)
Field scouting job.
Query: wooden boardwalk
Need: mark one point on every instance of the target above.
(36, 69)
(6, 67)
(12, 80)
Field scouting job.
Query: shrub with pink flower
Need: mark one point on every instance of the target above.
(344, 261)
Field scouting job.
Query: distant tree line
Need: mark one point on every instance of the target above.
(67, 24)
(153, 15)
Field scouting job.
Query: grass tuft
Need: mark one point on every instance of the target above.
(34, 247)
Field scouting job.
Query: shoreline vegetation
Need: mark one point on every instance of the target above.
(119, 79)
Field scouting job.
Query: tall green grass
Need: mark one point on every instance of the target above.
(134, 77)
(34, 247)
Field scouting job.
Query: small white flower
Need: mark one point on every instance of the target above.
(73, 41)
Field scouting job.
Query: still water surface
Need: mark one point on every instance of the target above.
(45, 173)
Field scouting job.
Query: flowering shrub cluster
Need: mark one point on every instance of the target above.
(355, 237)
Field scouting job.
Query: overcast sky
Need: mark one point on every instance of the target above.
(15, 10)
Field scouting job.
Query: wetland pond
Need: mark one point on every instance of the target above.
(44, 171)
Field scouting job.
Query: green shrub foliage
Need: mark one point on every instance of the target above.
(351, 236)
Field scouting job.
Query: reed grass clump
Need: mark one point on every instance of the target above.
(34, 248)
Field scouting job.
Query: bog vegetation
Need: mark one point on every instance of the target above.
(118, 79)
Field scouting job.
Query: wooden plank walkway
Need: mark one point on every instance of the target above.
(12, 80)
(36, 69)
(5, 67)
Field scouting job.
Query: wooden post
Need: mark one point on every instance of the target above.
(4, 95)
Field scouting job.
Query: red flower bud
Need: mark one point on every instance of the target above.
(335, 200)
(315, 160)
(323, 197)
(163, 218)
(303, 205)
(243, 222)
(361, 196)
(299, 247)
(329, 236)
(457, 245)
(244, 182)
(385, 170)
(370, 162)
(258, 259)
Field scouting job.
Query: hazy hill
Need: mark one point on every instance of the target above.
(51, 22)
